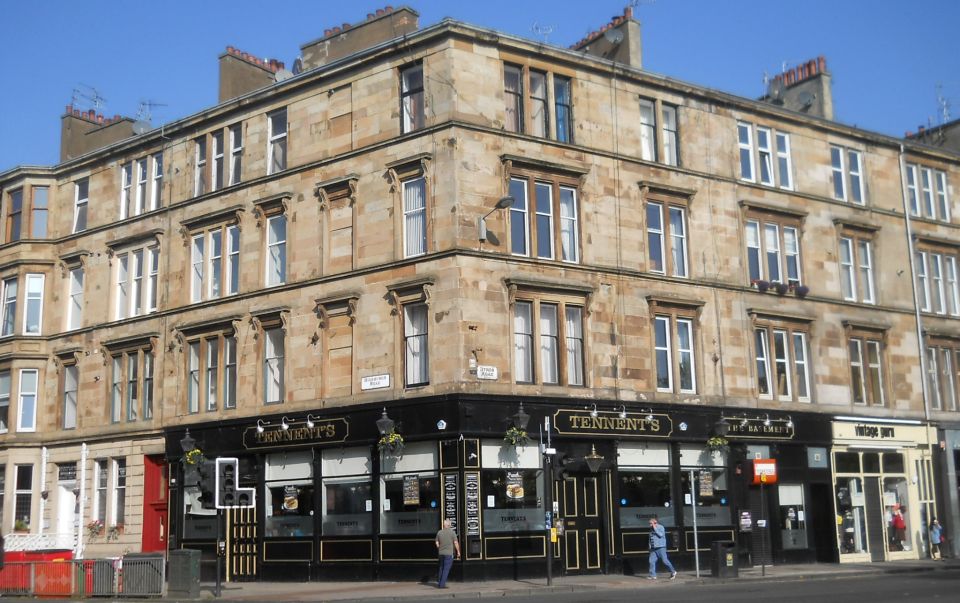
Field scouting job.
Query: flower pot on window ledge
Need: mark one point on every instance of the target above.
(762, 285)
(801, 291)
(782, 288)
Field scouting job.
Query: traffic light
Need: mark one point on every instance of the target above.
(227, 494)
(207, 484)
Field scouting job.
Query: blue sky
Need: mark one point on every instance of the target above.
(887, 57)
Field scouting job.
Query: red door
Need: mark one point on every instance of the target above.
(154, 504)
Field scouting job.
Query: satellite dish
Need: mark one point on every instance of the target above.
(297, 66)
(805, 99)
(140, 126)
(614, 36)
(282, 74)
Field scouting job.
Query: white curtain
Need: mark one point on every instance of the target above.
(574, 331)
(522, 342)
(548, 343)
(414, 217)
(568, 224)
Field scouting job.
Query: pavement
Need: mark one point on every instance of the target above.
(384, 592)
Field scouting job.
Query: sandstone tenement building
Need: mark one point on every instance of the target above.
(465, 235)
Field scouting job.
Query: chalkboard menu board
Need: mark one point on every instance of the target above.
(411, 490)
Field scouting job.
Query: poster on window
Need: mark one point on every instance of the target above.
(291, 499)
(515, 485)
(450, 498)
(472, 488)
(411, 490)
(706, 484)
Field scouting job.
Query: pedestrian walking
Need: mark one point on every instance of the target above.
(899, 526)
(936, 539)
(658, 549)
(447, 545)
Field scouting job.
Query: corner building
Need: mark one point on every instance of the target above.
(455, 232)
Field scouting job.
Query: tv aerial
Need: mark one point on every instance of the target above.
(90, 95)
(297, 66)
(282, 74)
(543, 31)
(145, 116)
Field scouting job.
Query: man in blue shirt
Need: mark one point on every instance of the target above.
(658, 549)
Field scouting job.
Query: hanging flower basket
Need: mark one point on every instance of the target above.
(390, 443)
(718, 444)
(193, 457)
(516, 436)
(95, 529)
(114, 531)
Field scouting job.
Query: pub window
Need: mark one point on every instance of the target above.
(645, 489)
(410, 493)
(710, 484)
(511, 487)
(288, 494)
(347, 492)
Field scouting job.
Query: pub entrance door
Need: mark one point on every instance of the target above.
(583, 512)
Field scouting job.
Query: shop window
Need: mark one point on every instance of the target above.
(288, 495)
(851, 514)
(709, 486)
(347, 491)
(895, 497)
(793, 520)
(846, 462)
(645, 487)
(23, 498)
(410, 493)
(511, 488)
(544, 217)
(411, 98)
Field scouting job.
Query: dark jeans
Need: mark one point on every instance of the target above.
(446, 562)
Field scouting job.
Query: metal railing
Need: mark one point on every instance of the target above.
(140, 576)
(39, 542)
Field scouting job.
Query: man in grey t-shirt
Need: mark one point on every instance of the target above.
(447, 545)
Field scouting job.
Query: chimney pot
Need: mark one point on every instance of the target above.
(326, 32)
(628, 12)
(370, 16)
(379, 12)
(99, 119)
(229, 49)
(388, 9)
(69, 109)
(345, 26)
(822, 62)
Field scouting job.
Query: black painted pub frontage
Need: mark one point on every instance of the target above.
(331, 505)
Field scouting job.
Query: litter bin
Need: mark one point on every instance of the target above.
(724, 561)
(184, 574)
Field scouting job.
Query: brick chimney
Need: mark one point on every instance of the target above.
(805, 88)
(619, 40)
(339, 42)
(241, 72)
(84, 131)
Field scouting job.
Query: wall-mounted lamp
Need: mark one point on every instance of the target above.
(260, 425)
(623, 411)
(593, 459)
(521, 418)
(594, 412)
(721, 427)
(310, 422)
(789, 422)
(188, 443)
(743, 422)
(649, 414)
(766, 421)
(503, 203)
(385, 424)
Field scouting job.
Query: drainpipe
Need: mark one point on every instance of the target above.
(43, 487)
(921, 347)
(78, 551)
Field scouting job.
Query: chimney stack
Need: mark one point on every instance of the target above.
(619, 40)
(84, 131)
(346, 39)
(241, 72)
(805, 88)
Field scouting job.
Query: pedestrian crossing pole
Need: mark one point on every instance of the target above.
(696, 541)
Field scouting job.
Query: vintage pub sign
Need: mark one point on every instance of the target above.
(612, 423)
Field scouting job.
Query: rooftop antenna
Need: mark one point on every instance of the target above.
(542, 30)
(145, 116)
(943, 104)
(89, 94)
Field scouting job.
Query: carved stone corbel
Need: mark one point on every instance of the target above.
(352, 310)
(393, 179)
(507, 169)
(511, 294)
(105, 352)
(176, 340)
(256, 326)
(393, 298)
(588, 303)
(427, 293)
(185, 235)
(323, 317)
(284, 320)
